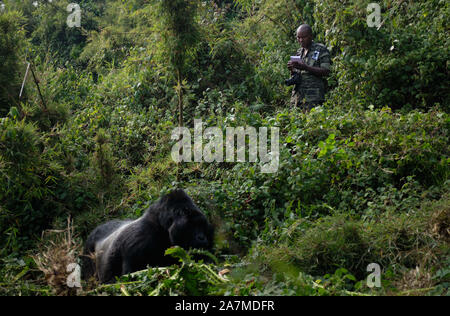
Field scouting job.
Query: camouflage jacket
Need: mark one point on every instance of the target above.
(312, 88)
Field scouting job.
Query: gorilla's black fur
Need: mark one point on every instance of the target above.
(122, 247)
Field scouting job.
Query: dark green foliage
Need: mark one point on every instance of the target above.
(45, 118)
(333, 160)
(397, 242)
(178, 30)
(25, 181)
(190, 278)
(12, 42)
(16, 278)
(53, 36)
(402, 64)
(102, 158)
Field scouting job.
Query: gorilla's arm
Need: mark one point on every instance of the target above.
(143, 243)
(95, 237)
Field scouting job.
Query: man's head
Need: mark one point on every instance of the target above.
(304, 35)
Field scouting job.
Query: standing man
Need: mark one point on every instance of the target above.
(314, 67)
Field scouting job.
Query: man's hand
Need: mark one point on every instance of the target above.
(321, 72)
(296, 65)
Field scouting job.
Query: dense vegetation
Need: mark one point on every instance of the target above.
(362, 179)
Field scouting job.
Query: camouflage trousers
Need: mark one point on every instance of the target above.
(306, 106)
(298, 101)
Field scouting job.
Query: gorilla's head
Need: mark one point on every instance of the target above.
(187, 226)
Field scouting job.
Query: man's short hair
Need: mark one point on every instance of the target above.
(307, 27)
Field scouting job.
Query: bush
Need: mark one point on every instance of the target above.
(22, 182)
(402, 64)
(35, 188)
(363, 163)
(399, 243)
(12, 42)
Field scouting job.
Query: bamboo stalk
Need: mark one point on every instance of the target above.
(39, 89)
(24, 80)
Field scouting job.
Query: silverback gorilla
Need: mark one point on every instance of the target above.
(124, 246)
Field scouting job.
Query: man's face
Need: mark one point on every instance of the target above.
(304, 38)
